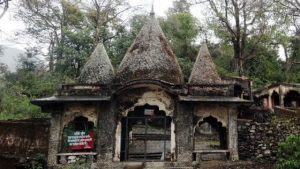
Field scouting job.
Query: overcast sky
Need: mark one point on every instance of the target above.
(9, 25)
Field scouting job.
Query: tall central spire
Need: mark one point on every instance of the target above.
(150, 57)
(152, 13)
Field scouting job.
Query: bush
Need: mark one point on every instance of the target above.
(289, 153)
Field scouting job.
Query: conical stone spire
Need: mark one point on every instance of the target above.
(204, 70)
(150, 57)
(98, 69)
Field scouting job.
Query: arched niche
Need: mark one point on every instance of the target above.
(79, 135)
(217, 111)
(140, 94)
(210, 134)
(73, 110)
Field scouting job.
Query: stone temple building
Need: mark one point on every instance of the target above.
(143, 115)
(284, 95)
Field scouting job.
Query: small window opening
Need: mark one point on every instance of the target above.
(238, 90)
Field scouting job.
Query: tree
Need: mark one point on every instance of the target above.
(181, 29)
(103, 13)
(70, 28)
(123, 37)
(3, 3)
(235, 21)
(263, 68)
(289, 36)
(180, 6)
(47, 22)
(289, 9)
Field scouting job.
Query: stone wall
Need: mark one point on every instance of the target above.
(259, 141)
(22, 140)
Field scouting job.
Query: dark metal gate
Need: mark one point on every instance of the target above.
(145, 138)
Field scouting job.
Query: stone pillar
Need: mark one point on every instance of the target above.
(233, 134)
(281, 96)
(54, 138)
(105, 135)
(184, 133)
(270, 101)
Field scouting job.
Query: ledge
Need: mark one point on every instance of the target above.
(76, 154)
(60, 99)
(211, 151)
(222, 99)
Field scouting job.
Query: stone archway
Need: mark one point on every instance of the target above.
(146, 135)
(210, 134)
(275, 99)
(292, 99)
(131, 105)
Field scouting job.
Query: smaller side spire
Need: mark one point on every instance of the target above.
(98, 69)
(204, 70)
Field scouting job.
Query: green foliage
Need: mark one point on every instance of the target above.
(294, 75)
(37, 162)
(20, 88)
(186, 67)
(81, 164)
(181, 29)
(180, 6)
(18, 107)
(263, 67)
(222, 55)
(77, 47)
(289, 153)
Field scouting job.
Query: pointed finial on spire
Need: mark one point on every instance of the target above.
(152, 9)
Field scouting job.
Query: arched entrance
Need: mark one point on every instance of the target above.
(146, 135)
(292, 99)
(275, 99)
(209, 134)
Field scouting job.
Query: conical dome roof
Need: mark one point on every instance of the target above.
(204, 70)
(98, 69)
(150, 57)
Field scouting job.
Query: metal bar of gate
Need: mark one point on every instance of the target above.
(145, 142)
(126, 141)
(165, 129)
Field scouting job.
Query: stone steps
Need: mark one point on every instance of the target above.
(180, 168)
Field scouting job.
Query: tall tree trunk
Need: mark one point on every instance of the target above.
(51, 57)
(237, 58)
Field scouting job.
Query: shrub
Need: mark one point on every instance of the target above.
(289, 153)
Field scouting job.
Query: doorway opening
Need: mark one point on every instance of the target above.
(275, 99)
(292, 99)
(146, 135)
(210, 135)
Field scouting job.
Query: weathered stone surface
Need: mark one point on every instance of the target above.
(24, 138)
(150, 57)
(262, 143)
(98, 69)
(204, 70)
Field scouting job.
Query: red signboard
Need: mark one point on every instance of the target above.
(79, 140)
